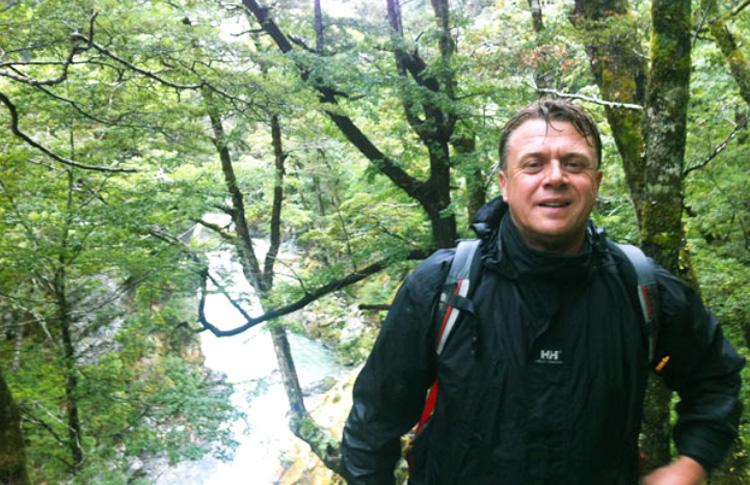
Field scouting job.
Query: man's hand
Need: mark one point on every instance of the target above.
(683, 471)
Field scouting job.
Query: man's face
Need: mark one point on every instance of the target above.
(550, 182)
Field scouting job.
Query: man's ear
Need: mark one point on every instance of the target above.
(599, 176)
(503, 184)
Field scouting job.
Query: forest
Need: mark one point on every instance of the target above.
(324, 148)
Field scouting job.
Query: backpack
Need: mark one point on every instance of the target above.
(464, 274)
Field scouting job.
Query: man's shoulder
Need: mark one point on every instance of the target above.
(639, 260)
(434, 265)
(428, 277)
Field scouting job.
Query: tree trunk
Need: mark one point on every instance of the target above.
(12, 448)
(476, 189)
(278, 197)
(442, 218)
(250, 266)
(620, 71)
(665, 132)
(651, 143)
(300, 422)
(288, 370)
(60, 290)
(738, 64)
(661, 207)
(69, 370)
(543, 77)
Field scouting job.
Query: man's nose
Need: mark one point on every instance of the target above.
(554, 173)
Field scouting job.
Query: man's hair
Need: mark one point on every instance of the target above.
(550, 110)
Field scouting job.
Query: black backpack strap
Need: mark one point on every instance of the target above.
(648, 293)
(454, 298)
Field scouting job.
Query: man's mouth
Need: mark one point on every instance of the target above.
(554, 204)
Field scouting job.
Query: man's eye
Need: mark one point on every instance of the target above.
(575, 165)
(533, 165)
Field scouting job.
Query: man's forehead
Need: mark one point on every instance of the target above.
(534, 134)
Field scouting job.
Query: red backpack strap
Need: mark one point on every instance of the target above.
(456, 287)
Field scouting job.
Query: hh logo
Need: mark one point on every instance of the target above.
(550, 357)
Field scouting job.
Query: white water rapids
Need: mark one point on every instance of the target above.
(249, 362)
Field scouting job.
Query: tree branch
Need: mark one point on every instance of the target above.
(85, 114)
(374, 307)
(738, 63)
(250, 265)
(413, 187)
(30, 141)
(733, 13)
(133, 67)
(217, 229)
(719, 148)
(588, 99)
(47, 427)
(278, 198)
(300, 303)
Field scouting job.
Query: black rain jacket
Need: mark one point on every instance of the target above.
(544, 382)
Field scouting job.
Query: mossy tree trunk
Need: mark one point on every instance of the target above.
(738, 63)
(651, 142)
(12, 449)
(620, 71)
(476, 188)
(665, 132)
(544, 77)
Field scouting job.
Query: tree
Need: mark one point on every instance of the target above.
(12, 448)
(389, 124)
(426, 97)
(79, 242)
(649, 122)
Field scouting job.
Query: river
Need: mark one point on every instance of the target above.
(248, 361)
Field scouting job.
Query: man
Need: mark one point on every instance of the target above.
(542, 382)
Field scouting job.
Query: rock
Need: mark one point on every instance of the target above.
(319, 387)
(304, 467)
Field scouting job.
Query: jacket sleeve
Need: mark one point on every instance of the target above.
(703, 368)
(390, 391)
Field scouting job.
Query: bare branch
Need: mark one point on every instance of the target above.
(75, 49)
(733, 13)
(301, 43)
(719, 148)
(30, 141)
(309, 297)
(43, 82)
(302, 302)
(221, 231)
(588, 99)
(47, 427)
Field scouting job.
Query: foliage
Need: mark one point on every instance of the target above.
(139, 100)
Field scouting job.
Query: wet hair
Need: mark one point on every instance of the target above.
(549, 110)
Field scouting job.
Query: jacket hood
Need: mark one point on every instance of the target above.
(487, 222)
(487, 219)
